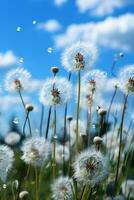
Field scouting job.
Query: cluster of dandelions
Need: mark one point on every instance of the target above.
(82, 163)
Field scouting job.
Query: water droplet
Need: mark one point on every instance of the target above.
(34, 22)
(18, 29)
(21, 60)
(16, 120)
(49, 50)
(55, 137)
(4, 186)
(93, 125)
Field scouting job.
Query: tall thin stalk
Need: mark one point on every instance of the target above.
(120, 144)
(48, 121)
(77, 113)
(24, 126)
(41, 119)
(54, 147)
(23, 103)
(36, 184)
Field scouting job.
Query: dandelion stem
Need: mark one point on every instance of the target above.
(89, 124)
(48, 121)
(65, 130)
(77, 113)
(24, 126)
(41, 120)
(23, 103)
(120, 144)
(54, 147)
(36, 183)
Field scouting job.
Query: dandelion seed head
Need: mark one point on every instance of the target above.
(62, 189)
(36, 151)
(55, 91)
(91, 167)
(6, 161)
(17, 79)
(23, 194)
(60, 155)
(12, 138)
(80, 56)
(128, 188)
(126, 79)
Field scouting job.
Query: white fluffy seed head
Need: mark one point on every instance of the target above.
(17, 79)
(126, 78)
(62, 189)
(79, 56)
(91, 167)
(55, 91)
(36, 151)
(6, 161)
(12, 138)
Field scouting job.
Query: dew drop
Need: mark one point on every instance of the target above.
(16, 120)
(50, 50)
(34, 22)
(21, 60)
(4, 186)
(18, 29)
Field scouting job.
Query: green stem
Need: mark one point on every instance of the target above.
(120, 144)
(77, 114)
(13, 193)
(54, 148)
(36, 184)
(48, 122)
(23, 103)
(24, 126)
(41, 119)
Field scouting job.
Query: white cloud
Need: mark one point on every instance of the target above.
(8, 58)
(59, 2)
(35, 85)
(101, 7)
(113, 32)
(50, 26)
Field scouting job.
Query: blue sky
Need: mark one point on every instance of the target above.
(59, 23)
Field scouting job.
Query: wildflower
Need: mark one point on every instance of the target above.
(36, 151)
(62, 189)
(80, 56)
(128, 188)
(12, 138)
(91, 167)
(17, 79)
(60, 155)
(6, 161)
(126, 77)
(23, 194)
(55, 91)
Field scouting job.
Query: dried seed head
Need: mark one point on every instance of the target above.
(69, 117)
(79, 61)
(54, 70)
(97, 140)
(29, 107)
(102, 111)
(23, 195)
(18, 85)
(56, 95)
(130, 84)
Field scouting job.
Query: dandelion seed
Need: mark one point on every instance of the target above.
(62, 189)
(91, 167)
